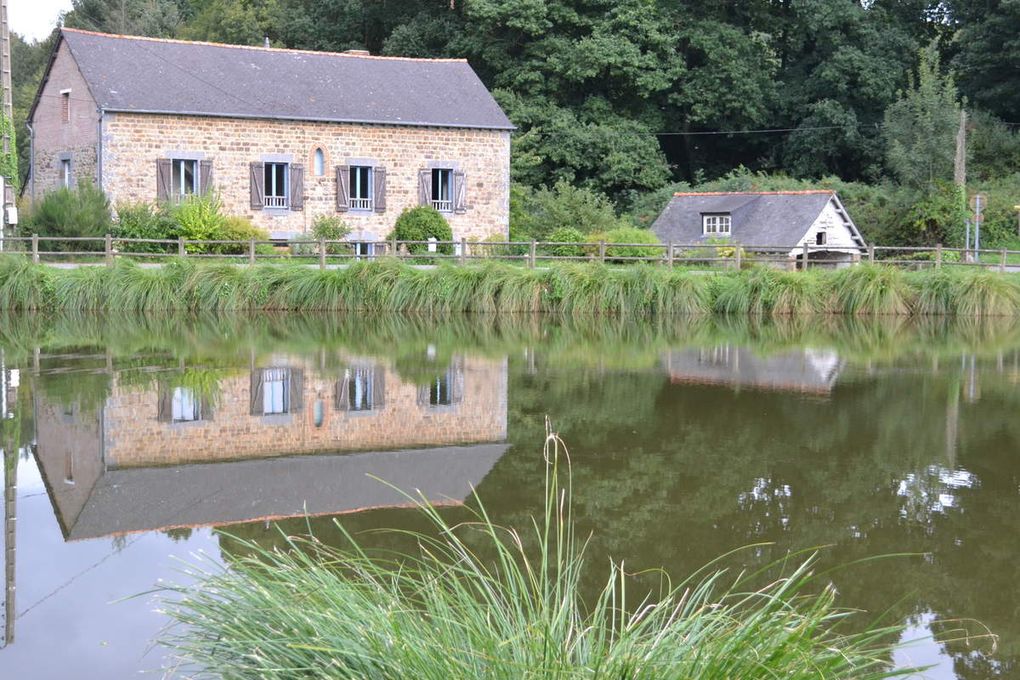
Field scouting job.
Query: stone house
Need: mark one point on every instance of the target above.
(282, 136)
(764, 221)
(302, 440)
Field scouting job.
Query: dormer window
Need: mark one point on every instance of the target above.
(715, 225)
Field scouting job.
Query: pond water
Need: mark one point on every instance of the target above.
(135, 444)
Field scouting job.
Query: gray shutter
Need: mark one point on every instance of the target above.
(297, 390)
(459, 192)
(207, 408)
(424, 187)
(258, 186)
(379, 189)
(378, 388)
(423, 395)
(164, 179)
(297, 187)
(204, 176)
(165, 410)
(343, 188)
(342, 398)
(256, 393)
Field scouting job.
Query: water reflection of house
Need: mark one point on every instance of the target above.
(810, 371)
(279, 440)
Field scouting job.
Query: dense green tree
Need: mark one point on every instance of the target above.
(158, 18)
(987, 59)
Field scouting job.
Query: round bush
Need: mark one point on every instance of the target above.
(420, 223)
(566, 235)
(631, 235)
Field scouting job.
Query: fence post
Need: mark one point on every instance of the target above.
(669, 255)
(35, 248)
(871, 253)
(180, 246)
(938, 256)
(463, 250)
(531, 254)
(804, 262)
(322, 254)
(602, 251)
(1002, 261)
(251, 251)
(108, 247)
(393, 246)
(738, 255)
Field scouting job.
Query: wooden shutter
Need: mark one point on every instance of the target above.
(423, 395)
(424, 187)
(164, 179)
(258, 186)
(343, 188)
(206, 405)
(297, 390)
(378, 388)
(459, 192)
(165, 410)
(379, 189)
(204, 176)
(256, 392)
(342, 398)
(297, 187)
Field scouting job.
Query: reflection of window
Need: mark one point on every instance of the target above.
(319, 412)
(442, 189)
(361, 187)
(275, 391)
(184, 406)
(69, 468)
(361, 389)
(185, 176)
(440, 393)
(446, 389)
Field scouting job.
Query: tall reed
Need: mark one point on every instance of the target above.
(481, 601)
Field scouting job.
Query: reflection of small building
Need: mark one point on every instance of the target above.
(810, 371)
(760, 221)
(170, 455)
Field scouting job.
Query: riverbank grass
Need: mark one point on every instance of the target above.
(578, 290)
(479, 601)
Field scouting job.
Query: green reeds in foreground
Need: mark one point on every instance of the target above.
(576, 290)
(482, 601)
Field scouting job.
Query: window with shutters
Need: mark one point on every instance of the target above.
(65, 173)
(276, 185)
(361, 388)
(442, 189)
(275, 391)
(441, 389)
(715, 225)
(184, 177)
(185, 406)
(360, 187)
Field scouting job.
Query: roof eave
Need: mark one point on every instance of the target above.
(311, 119)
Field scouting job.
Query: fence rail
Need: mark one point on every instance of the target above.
(717, 255)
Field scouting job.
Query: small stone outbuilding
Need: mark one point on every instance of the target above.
(281, 135)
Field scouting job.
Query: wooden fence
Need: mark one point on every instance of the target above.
(97, 250)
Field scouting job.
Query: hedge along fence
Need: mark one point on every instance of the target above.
(386, 285)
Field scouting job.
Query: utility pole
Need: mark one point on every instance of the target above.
(5, 73)
(960, 168)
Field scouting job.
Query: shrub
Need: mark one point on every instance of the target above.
(631, 235)
(237, 228)
(420, 223)
(198, 218)
(331, 228)
(143, 221)
(564, 206)
(566, 235)
(84, 211)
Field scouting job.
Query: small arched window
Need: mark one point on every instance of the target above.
(319, 162)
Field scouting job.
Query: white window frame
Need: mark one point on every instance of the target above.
(270, 171)
(355, 186)
(177, 168)
(716, 224)
(441, 189)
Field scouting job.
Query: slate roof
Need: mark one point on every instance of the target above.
(147, 499)
(757, 218)
(126, 73)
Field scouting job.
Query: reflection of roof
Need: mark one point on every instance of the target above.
(146, 499)
(807, 370)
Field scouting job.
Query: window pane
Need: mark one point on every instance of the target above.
(189, 177)
(361, 183)
(276, 386)
(184, 405)
(360, 389)
(441, 184)
(320, 162)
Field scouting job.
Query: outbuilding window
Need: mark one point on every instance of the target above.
(820, 238)
(715, 225)
(276, 185)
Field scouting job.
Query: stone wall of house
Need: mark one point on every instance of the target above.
(133, 142)
(134, 436)
(56, 138)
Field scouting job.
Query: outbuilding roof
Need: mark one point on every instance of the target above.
(761, 218)
(127, 73)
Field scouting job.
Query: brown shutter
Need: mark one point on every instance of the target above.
(204, 176)
(378, 388)
(297, 390)
(343, 188)
(423, 395)
(297, 187)
(207, 407)
(342, 399)
(459, 192)
(256, 393)
(165, 410)
(164, 179)
(379, 189)
(425, 187)
(258, 186)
